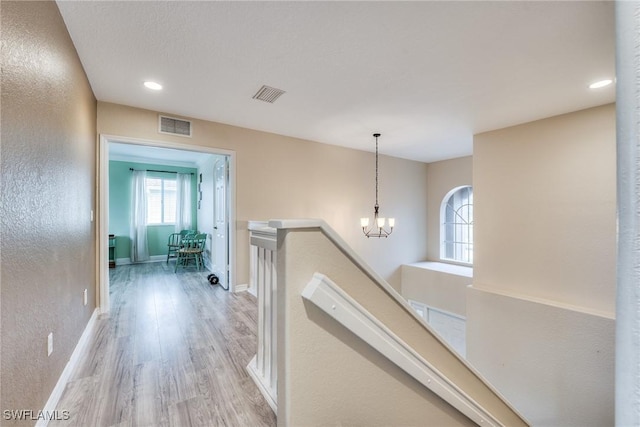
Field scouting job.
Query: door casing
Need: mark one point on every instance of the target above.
(102, 241)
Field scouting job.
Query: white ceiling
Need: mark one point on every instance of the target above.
(155, 155)
(427, 75)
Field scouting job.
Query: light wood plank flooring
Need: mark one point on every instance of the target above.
(172, 352)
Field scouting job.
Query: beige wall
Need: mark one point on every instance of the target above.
(545, 209)
(47, 192)
(442, 177)
(556, 366)
(283, 177)
(438, 289)
(540, 314)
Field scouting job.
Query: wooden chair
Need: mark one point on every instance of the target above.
(184, 233)
(173, 245)
(192, 249)
(175, 242)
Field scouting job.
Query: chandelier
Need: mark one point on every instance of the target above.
(377, 229)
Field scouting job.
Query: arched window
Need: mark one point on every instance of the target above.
(456, 234)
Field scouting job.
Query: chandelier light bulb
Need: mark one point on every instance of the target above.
(364, 222)
(392, 222)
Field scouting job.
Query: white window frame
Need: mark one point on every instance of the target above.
(462, 242)
(162, 199)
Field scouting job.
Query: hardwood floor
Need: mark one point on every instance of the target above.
(172, 352)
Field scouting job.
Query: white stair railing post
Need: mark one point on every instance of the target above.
(263, 281)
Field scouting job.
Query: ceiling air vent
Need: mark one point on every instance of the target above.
(173, 126)
(268, 94)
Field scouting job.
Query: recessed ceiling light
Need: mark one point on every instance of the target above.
(601, 83)
(153, 85)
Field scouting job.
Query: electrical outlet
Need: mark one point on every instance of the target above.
(84, 297)
(91, 215)
(50, 344)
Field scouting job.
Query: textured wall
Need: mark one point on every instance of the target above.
(540, 313)
(47, 193)
(545, 209)
(554, 364)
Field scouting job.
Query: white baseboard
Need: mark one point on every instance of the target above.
(269, 395)
(72, 364)
(155, 258)
(152, 258)
(241, 287)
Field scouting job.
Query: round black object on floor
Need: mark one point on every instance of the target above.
(213, 279)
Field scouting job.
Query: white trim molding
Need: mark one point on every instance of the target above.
(241, 287)
(445, 267)
(71, 366)
(331, 299)
(152, 258)
(627, 349)
(263, 283)
(269, 394)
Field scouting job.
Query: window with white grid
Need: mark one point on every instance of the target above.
(456, 235)
(161, 201)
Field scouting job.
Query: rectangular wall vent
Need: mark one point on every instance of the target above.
(173, 126)
(268, 94)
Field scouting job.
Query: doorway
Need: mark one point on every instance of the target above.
(214, 201)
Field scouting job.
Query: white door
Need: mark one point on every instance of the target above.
(220, 242)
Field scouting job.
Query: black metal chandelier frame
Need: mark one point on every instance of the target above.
(377, 229)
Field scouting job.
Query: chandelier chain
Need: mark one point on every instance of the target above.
(376, 171)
